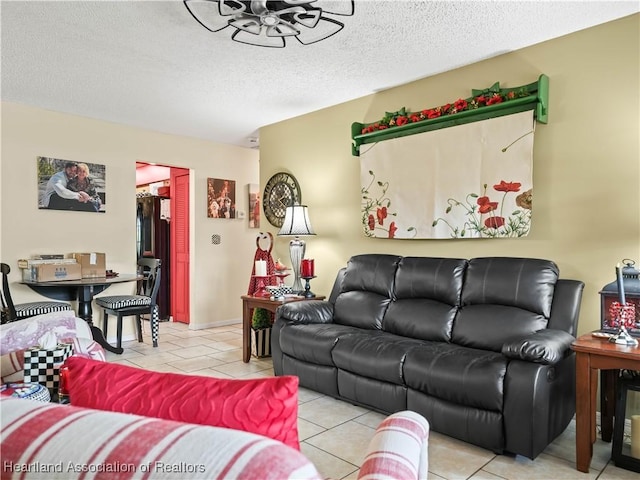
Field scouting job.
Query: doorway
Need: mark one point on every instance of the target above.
(162, 219)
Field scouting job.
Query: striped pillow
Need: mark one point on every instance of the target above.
(399, 449)
(85, 443)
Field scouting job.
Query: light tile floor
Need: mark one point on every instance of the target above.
(334, 434)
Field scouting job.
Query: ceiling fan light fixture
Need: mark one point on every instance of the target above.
(268, 22)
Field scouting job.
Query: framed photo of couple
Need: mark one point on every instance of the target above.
(71, 185)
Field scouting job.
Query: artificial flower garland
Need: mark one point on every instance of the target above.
(490, 96)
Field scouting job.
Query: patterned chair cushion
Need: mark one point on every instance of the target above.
(26, 310)
(121, 301)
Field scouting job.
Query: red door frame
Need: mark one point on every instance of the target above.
(180, 288)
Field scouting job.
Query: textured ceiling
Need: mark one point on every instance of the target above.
(150, 64)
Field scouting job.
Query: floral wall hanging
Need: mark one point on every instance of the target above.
(469, 181)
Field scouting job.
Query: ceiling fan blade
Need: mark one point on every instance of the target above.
(249, 25)
(309, 18)
(325, 28)
(231, 7)
(282, 29)
(258, 40)
(298, 2)
(289, 10)
(335, 7)
(207, 14)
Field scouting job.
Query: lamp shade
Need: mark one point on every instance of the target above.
(296, 222)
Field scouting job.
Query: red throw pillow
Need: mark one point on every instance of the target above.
(266, 406)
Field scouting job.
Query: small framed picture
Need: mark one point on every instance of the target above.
(254, 205)
(221, 198)
(71, 185)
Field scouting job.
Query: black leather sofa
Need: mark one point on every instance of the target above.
(480, 347)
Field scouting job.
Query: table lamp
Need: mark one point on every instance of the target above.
(296, 223)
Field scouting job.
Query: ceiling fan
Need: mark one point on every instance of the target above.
(271, 23)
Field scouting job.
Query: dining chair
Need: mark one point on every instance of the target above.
(144, 302)
(12, 312)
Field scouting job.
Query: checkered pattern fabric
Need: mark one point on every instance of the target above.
(42, 366)
(122, 301)
(155, 320)
(26, 310)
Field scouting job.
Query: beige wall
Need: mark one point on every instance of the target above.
(586, 213)
(219, 274)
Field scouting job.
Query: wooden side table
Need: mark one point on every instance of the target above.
(593, 355)
(248, 303)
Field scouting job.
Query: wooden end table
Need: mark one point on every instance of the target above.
(248, 303)
(592, 355)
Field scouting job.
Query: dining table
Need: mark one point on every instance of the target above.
(83, 290)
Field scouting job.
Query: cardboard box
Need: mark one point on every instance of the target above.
(28, 263)
(49, 272)
(93, 264)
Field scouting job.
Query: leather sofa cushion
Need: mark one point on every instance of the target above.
(373, 354)
(312, 343)
(464, 376)
(433, 278)
(360, 309)
(489, 327)
(427, 291)
(429, 319)
(366, 290)
(526, 283)
(373, 273)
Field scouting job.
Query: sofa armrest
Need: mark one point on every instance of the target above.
(546, 346)
(565, 310)
(398, 449)
(310, 311)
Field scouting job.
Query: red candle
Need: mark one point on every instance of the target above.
(63, 385)
(307, 268)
